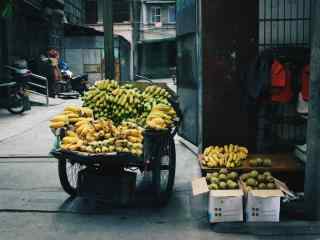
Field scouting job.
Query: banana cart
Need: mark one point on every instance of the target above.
(159, 158)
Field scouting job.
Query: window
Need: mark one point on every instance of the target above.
(155, 14)
(172, 14)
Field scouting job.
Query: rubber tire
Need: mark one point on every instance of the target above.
(162, 197)
(11, 110)
(62, 164)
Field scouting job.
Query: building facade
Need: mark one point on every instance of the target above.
(33, 27)
(122, 24)
(157, 38)
(75, 11)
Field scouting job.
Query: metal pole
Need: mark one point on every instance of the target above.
(47, 92)
(108, 39)
(312, 186)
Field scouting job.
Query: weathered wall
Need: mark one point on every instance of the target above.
(229, 43)
(2, 47)
(86, 55)
(312, 186)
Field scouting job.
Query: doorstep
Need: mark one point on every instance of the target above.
(270, 229)
(291, 223)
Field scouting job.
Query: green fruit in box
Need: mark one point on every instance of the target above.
(259, 162)
(262, 186)
(233, 176)
(260, 178)
(222, 177)
(253, 162)
(214, 180)
(270, 179)
(253, 174)
(267, 162)
(222, 185)
(232, 185)
(251, 182)
(267, 174)
(215, 174)
(213, 186)
(271, 186)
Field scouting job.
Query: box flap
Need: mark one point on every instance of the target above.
(226, 193)
(284, 188)
(199, 186)
(267, 193)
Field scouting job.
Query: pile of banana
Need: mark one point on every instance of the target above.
(229, 156)
(129, 138)
(161, 117)
(71, 115)
(155, 92)
(102, 136)
(109, 100)
(154, 95)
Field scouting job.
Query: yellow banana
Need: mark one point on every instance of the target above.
(74, 109)
(57, 125)
(70, 140)
(60, 118)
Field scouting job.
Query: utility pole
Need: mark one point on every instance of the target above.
(108, 39)
(312, 186)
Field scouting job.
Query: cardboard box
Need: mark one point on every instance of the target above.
(224, 205)
(263, 205)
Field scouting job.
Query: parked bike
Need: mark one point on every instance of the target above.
(12, 90)
(70, 82)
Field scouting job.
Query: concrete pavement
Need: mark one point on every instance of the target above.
(28, 133)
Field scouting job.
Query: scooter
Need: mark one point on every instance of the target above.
(12, 91)
(70, 82)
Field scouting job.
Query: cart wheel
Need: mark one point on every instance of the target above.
(164, 171)
(68, 175)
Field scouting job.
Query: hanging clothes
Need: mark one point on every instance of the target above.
(305, 79)
(281, 83)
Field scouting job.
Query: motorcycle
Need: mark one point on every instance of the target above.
(70, 82)
(12, 91)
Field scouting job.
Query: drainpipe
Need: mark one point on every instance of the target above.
(312, 178)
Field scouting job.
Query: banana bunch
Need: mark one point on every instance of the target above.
(102, 136)
(161, 117)
(129, 138)
(106, 85)
(90, 130)
(152, 96)
(70, 115)
(109, 100)
(229, 156)
(71, 141)
(155, 92)
(59, 121)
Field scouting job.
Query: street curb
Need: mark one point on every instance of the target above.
(25, 156)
